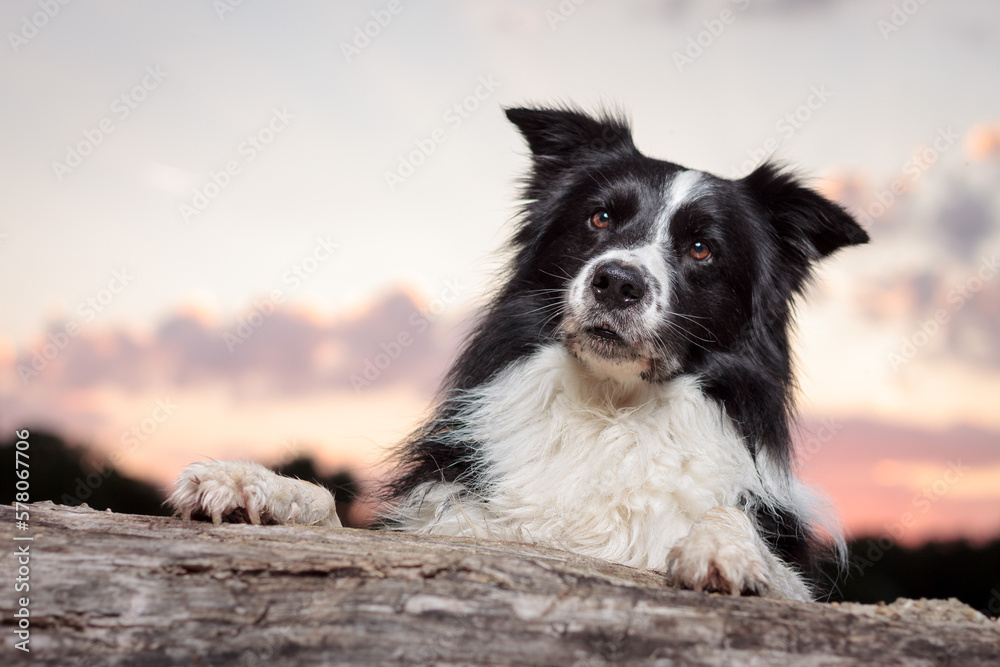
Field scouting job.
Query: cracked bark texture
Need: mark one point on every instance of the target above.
(116, 589)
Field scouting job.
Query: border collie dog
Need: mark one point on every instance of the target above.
(627, 394)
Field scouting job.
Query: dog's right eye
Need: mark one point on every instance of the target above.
(600, 219)
(699, 250)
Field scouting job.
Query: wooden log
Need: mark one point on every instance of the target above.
(117, 589)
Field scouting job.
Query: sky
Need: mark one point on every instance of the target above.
(251, 229)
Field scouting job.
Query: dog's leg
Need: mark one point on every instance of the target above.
(724, 553)
(251, 492)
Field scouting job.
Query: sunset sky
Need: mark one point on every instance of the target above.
(217, 216)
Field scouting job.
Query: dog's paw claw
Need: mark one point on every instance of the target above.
(715, 558)
(249, 493)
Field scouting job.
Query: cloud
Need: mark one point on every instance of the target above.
(275, 350)
(935, 233)
(973, 333)
(964, 303)
(966, 218)
(935, 195)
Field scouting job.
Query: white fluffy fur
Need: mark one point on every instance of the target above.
(620, 472)
(220, 487)
(724, 553)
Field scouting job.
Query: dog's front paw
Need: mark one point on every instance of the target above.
(721, 554)
(245, 491)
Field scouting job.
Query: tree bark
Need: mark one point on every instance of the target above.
(120, 589)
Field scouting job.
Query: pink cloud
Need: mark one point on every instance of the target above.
(394, 340)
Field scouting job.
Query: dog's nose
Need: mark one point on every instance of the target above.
(617, 286)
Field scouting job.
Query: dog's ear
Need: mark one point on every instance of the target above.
(559, 133)
(804, 219)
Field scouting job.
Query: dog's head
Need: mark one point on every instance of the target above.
(645, 268)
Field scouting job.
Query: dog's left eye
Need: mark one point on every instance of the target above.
(600, 219)
(700, 250)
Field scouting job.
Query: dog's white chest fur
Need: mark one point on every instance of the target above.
(589, 465)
